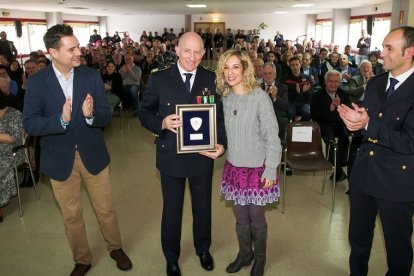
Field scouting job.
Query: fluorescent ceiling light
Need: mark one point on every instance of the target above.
(302, 5)
(196, 6)
(280, 12)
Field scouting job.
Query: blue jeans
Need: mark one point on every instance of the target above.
(131, 96)
(299, 109)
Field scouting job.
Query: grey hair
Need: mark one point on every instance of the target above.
(332, 72)
(270, 64)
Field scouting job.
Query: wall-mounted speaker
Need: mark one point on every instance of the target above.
(18, 25)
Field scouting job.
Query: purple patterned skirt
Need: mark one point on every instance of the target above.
(244, 186)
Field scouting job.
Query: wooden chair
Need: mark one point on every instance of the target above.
(304, 153)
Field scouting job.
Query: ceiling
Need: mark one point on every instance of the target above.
(132, 7)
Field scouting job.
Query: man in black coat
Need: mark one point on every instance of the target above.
(181, 84)
(381, 181)
(279, 95)
(323, 110)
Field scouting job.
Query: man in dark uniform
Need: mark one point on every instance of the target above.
(381, 180)
(181, 84)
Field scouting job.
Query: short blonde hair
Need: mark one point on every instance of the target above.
(249, 82)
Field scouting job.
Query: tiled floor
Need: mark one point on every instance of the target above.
(307, 240)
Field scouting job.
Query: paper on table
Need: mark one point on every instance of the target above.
(302, 134)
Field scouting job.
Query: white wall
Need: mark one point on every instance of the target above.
(42, 15)
(371, 10)
(24, 14)
(281, 22)
(366, 10)
(135, 24)
(79, 17)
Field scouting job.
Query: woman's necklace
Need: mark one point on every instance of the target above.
(237, 105)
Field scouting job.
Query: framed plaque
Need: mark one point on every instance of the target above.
(198, 132)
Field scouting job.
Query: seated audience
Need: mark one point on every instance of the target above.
(351, 58)
(10, 136)
(308, 70)
(113, 85)
(377, 67)
(13, 87)
(14, 101)
(331, 63)
(346, 71)
(258, 69)
(299, 91)
(358, 82)
(131, 77)
(278, 93)
(16, 73)
(323, 106)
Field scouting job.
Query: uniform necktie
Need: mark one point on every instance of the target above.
(187, 81)
(391, 89)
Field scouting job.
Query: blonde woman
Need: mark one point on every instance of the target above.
(253, 153)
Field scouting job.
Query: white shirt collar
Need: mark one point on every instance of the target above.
(183, 71)
(401, 78)
(58, 73)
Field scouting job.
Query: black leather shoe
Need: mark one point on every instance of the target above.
(206, 260)
(173, 269)
(80, 269)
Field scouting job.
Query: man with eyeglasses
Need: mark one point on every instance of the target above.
(182, 83)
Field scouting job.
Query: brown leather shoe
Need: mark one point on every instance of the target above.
(122, 260)
(80, 269)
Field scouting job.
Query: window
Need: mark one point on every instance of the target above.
(381, 27)
(32, 35)
(35, 33)
(355, 27)
(324, 31)
(83, 31)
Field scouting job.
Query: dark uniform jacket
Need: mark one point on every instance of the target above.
(164, 91)
(384, 167)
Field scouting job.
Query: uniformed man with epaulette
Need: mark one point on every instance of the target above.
(381, 180)
(182, 83)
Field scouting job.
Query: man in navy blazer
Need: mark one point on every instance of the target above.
(181, 84)
(382, 177)
(65, 104)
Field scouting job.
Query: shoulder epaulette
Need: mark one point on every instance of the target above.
(383, 73)
(209, 69)
(155, 70)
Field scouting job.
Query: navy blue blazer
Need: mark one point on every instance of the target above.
(384, 166)
(43, 105)
(165, 89)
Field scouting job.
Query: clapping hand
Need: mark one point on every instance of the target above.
(273, 92)
(87, 106)
(306, 87)
(66, 111)
(335, 103)
(354, 118)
